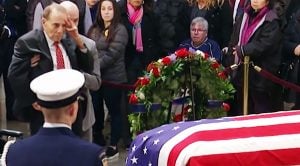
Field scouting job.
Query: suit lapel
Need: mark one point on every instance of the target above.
(43, 44)
(70, 47)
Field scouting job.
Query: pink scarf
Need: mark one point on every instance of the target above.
(248, 28)
(135, 18)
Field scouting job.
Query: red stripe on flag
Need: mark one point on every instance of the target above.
(259, 158)
(226, 134)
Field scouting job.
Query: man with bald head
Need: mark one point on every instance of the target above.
(85, 119)
(41, 51)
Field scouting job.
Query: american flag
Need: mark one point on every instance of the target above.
(263, 139)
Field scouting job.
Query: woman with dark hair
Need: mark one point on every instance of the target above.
(111, 38)
(256, 34)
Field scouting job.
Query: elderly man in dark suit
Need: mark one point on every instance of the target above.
(40, 51)
(55, 144)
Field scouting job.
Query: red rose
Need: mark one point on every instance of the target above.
(137, 83)
(144, 81)
(215, 65)
(177, 118)
(206, 56)
(150, 67)
(186, 109)
(156, 72)
(222, 75)
(226, 106)
(182, 53)
(133, 99)
(166, 61)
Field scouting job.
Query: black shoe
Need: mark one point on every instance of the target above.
(112, 153)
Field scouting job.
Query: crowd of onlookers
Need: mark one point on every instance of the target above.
(122, 37)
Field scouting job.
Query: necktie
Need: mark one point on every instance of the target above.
(59, 56)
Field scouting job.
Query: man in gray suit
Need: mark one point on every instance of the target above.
(92, 82)
(40, 51)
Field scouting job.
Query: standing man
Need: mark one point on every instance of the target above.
(41, 51)
(200, 41)
(84, 123)
(55, 144)
(34, 18)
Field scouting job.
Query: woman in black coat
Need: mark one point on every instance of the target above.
(144, 48)
(256, 34)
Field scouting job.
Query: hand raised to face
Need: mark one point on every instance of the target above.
(71, 28)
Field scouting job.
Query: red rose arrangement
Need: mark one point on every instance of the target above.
(171, 77)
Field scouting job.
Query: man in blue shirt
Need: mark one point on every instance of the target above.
(200, 41)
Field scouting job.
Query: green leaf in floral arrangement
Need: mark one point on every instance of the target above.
(174, 84)
(156, 98)
(174, 78)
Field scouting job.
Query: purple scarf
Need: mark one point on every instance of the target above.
(248, 28)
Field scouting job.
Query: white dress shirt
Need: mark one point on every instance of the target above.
(53, 53)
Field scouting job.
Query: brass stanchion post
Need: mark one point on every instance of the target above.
(246, 85)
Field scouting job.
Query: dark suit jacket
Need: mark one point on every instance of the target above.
(53, 147)
(21, 73)
(263, 48)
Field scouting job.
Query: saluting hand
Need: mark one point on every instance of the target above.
(72, 30)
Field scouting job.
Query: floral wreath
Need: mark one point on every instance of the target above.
(173, 77)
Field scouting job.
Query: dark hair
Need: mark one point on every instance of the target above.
(114, 22)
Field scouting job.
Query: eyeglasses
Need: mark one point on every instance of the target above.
(198, 30)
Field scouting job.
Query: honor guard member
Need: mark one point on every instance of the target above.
(55, 144)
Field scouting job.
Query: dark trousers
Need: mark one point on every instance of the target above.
(6, 51)
(77, 125)
(258, 102)
(134, 70)
(112, 98)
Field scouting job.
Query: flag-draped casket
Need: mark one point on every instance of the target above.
(264, 139)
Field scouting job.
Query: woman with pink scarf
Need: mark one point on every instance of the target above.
(256, 34)
(142, 27)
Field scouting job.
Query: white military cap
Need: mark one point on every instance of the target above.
(57, 88)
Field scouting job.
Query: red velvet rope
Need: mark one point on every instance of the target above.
(227, 70)
(277, 80)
